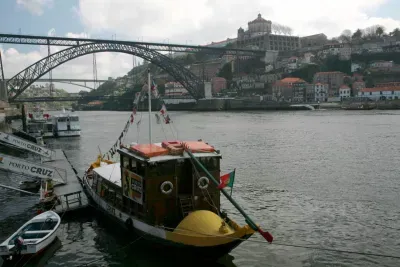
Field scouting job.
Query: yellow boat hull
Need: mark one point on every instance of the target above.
(203, 228)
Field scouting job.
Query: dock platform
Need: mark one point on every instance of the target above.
(71, 194)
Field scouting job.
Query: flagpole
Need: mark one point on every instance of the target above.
(149, 85)
(234, 171)
(248, 220)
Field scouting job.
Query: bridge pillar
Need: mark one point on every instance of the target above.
(3, 91)
(207, 90)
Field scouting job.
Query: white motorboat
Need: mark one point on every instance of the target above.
(33, 237)
(66, 125)
(39, 124)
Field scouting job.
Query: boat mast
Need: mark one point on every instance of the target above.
(149, 85)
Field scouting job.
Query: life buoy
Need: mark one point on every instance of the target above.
(167, 184)
(203, 182)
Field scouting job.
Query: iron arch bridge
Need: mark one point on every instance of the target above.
(20, 82)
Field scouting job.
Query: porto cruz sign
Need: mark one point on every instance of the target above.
(21, 143)
(25, 167)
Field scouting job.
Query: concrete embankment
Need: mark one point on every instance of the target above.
(243, 104)
(388, 104)
(330, 106)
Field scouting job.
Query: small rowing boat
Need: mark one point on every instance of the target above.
(33, 185)
(33, 237)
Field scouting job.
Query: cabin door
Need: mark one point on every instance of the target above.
(184, 172)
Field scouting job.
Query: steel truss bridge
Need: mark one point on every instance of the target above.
(77, 47)
(66, 80)
(70, 81)
(66, 98)
(65, 41)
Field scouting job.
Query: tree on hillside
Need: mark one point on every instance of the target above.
(380, 31)
(289, 31)
(190, 59)
(346, 36)
(226, 72)
(306, 73)
(230, 45)
(357, 34)
(370, 31)
(333, 63)
(395, 32)
(347, 80)
(281, 29)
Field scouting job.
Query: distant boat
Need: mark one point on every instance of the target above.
(39, 124)
(33, 237)
(66, 125)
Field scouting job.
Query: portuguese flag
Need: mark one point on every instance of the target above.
(227, 180)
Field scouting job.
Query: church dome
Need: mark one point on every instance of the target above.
(258, 19)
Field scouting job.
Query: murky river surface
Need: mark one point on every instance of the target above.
(324, 178)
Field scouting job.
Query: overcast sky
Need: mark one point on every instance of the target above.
(175, 21)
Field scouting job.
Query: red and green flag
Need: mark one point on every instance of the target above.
(227, 180)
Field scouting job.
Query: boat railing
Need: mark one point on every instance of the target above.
(71, 200)
(38, 232)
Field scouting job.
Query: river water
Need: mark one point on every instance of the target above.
(328, 179)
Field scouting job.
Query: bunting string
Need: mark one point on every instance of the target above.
(139, 97)
(113, 150)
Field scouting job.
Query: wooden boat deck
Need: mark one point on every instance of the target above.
(71, 194)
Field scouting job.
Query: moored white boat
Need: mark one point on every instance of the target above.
(66, 125)
(39, 124)
(33, 237)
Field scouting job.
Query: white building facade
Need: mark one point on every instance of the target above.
(344, 92)
(175, 89)
(378, 93)
(321, 92)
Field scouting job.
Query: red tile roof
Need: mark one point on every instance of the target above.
(292, 80)
(378, 89)
(343, 86)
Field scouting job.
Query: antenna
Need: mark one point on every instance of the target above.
(94, 71)
(149, 85)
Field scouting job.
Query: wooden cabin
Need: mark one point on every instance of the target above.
(159, 184)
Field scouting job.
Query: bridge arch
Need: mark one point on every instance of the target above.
(21, 81)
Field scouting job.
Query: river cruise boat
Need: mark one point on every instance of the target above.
(157, 191)
(39, 124)
(169, 193)
(66, 125)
